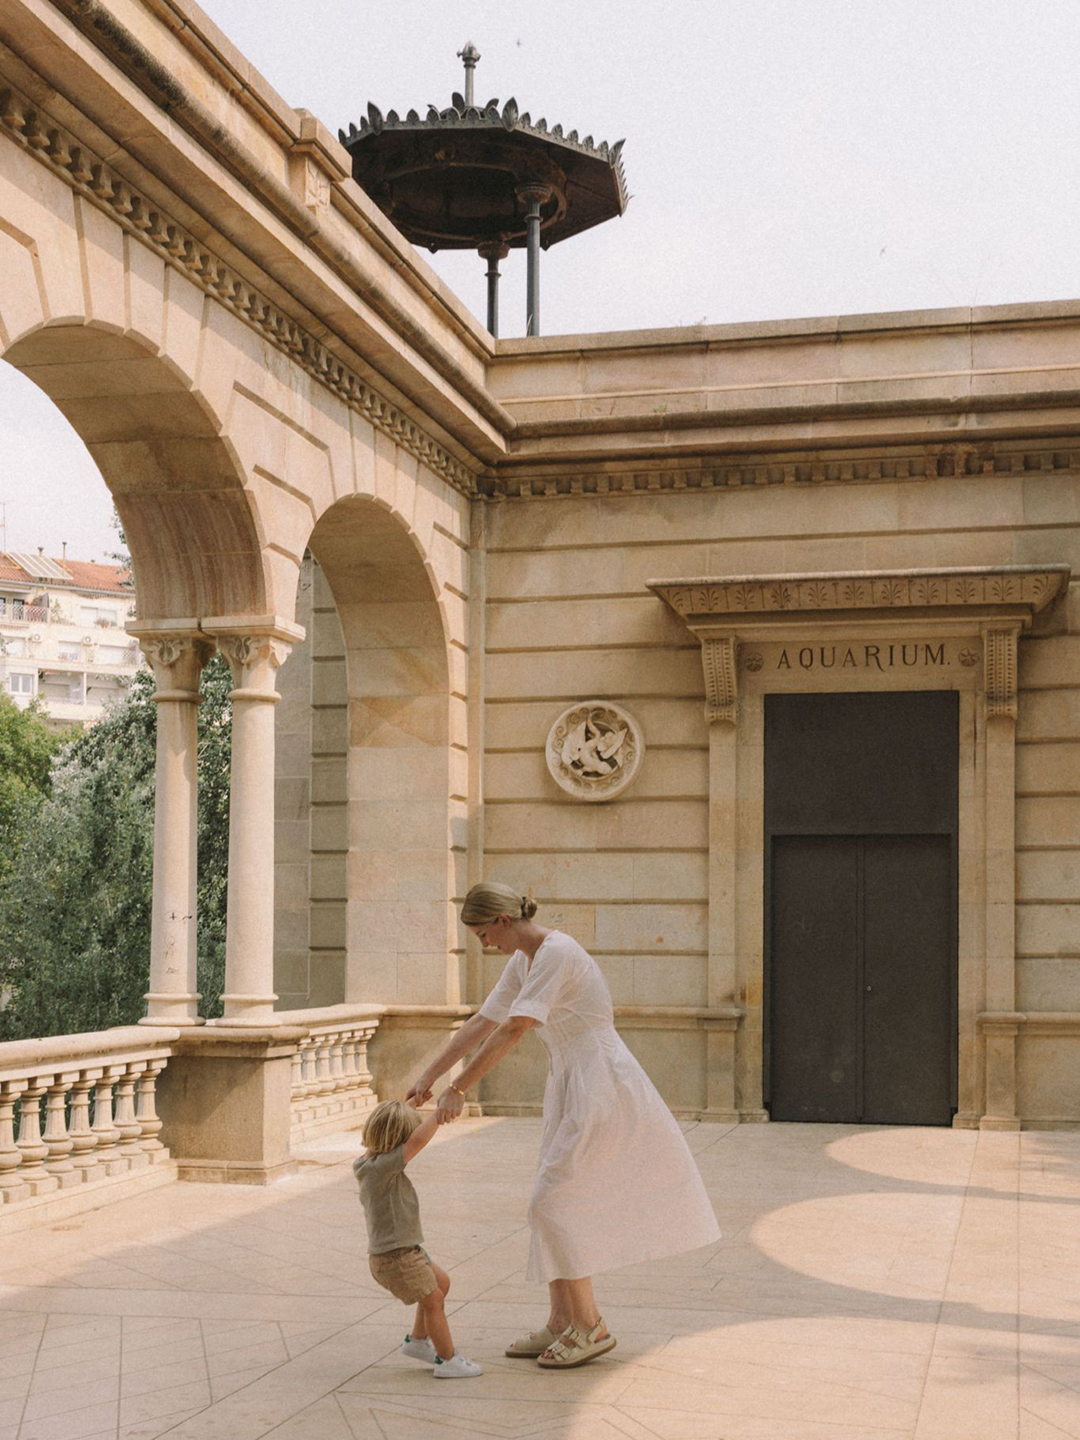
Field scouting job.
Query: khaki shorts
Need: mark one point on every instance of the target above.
(406, 1273)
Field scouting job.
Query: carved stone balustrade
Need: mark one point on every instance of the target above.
(77, 1113)
(331, 1080)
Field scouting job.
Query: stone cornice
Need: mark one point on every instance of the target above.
(834, 466)
(702, 602)
(88, 174)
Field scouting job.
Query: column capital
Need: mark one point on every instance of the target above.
(254, 661)
(177, 658)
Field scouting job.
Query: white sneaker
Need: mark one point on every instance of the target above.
(456, 1368)
(419, 1349)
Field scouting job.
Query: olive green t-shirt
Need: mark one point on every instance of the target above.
(390, 1205)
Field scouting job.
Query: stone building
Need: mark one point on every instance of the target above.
(752, 650)
(62, 636)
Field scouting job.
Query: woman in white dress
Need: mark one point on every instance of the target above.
(616, 1182)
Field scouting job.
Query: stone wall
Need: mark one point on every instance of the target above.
(569, 618)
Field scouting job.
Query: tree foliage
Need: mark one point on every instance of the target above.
(27, 748)
(75, 906)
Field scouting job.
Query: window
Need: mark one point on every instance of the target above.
(111, 654)
(14, 647)
(99, 615)
(21, 684)
(70, 652)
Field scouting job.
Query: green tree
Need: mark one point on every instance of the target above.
(75, 908)
(27, 748)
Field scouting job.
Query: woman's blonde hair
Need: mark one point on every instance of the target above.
(390, 1125)
(488, 900)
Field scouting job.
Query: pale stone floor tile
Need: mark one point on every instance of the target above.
(969, 1399)
(136, 1408)
(20, 1363)
(1050, 1400)
(72, 1424)
(59, 1399)
(856, 1264)
(692, 1425)
(11, 1410)
(162, 1352)
(223, 1385)
(141, 1381)
(15, 1387)
(228, 1361)
(157, 1425)
(59, 1357)
(1033, 1427)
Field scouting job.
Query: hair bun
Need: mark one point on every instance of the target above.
(528, 908)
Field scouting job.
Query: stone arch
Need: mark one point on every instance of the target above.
(175, 480)
(382, 768)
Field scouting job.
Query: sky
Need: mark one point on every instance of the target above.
(785, 158)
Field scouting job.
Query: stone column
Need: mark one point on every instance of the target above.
(1000, 1022)
(249, 942)
(177, 661)
(719, 654)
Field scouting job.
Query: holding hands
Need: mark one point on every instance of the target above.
(449, 1106)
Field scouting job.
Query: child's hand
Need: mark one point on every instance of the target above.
(419, 1093)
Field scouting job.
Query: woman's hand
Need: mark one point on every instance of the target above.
(450, 1106)
(419, 1091)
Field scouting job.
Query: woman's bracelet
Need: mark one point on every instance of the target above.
(453, 1087)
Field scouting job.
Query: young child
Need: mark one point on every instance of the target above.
(394, 1134)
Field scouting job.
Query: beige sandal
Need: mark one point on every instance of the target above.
(577, 1347)
(531, 1346)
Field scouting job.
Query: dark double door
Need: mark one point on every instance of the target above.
(861, 813)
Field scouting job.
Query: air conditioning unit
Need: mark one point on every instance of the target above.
(36, 635)
(87, 639)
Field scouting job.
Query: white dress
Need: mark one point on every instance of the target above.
(616, 1182)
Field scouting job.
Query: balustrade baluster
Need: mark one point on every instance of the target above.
(307, 1053)
(349, 1062)
(12, 1185)
(56, 1138)
(337, 1073)
(146, 1109)
(30, 1142)
(364, 1072)
(108, 1150)
(325, 1087)
(83, 1139)
(126, 1122)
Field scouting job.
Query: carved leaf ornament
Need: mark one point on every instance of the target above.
(594, 750)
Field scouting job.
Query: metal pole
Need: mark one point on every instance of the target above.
(493, 252)
(470, 55)
(533, 196)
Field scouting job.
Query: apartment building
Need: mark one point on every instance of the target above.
(62, 636)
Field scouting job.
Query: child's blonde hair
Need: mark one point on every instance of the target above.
(390, 1125)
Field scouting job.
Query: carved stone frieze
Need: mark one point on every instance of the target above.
(718, 658)
(1033, 587)
(594, 750)
(102, 186)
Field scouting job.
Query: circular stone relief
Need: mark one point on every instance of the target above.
(594, 749)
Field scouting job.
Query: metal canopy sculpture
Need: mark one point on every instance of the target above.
(486, 178)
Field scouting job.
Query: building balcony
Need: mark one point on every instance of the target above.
(21, 616)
